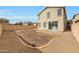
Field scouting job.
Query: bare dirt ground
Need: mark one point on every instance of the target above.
(65, 42)
(35, 38)
(10, 43)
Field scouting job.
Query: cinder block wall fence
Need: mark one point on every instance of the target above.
(75, 26)
(75, 30)
(17, 27)
(5, 26)
(0, 29)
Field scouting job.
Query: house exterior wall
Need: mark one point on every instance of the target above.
(53, 17)
(25, 24)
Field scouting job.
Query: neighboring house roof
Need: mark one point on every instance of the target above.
(75, 15)
(54, 7)
(75, 20)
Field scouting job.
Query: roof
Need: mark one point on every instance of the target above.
(50, 7)
(75, 15)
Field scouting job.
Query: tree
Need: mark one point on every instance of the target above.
(4, 20)
(28, 23)
(69, 22)
(19, 23)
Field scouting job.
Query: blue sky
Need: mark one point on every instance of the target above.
(29, 13)
(71, 11)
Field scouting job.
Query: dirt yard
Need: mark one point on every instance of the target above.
(36, 39)
(10, 43)
(63, 42)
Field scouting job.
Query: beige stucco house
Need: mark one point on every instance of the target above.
(52, 19)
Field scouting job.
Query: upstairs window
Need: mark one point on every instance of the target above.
(59, 13)
(48, 15)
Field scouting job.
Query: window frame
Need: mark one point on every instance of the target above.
(59, 12)
(48, 14)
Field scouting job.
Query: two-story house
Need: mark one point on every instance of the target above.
(52, 19)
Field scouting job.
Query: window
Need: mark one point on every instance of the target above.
(39, 24)
(56, 24)
(53, 25)
(44, 24)
(48, 15)
(59, 12)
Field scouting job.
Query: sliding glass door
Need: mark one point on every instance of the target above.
(53, 25)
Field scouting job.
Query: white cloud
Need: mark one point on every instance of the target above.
(3, 11)
(9, 12)
(18, 17)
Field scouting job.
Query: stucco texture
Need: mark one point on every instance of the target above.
(53, 17)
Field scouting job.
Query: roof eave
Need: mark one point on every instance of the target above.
(49, 7)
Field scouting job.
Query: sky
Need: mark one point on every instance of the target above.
(29, 13)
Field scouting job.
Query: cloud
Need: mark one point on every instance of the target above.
(13, 12)
(3, 11)
(19, 17)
